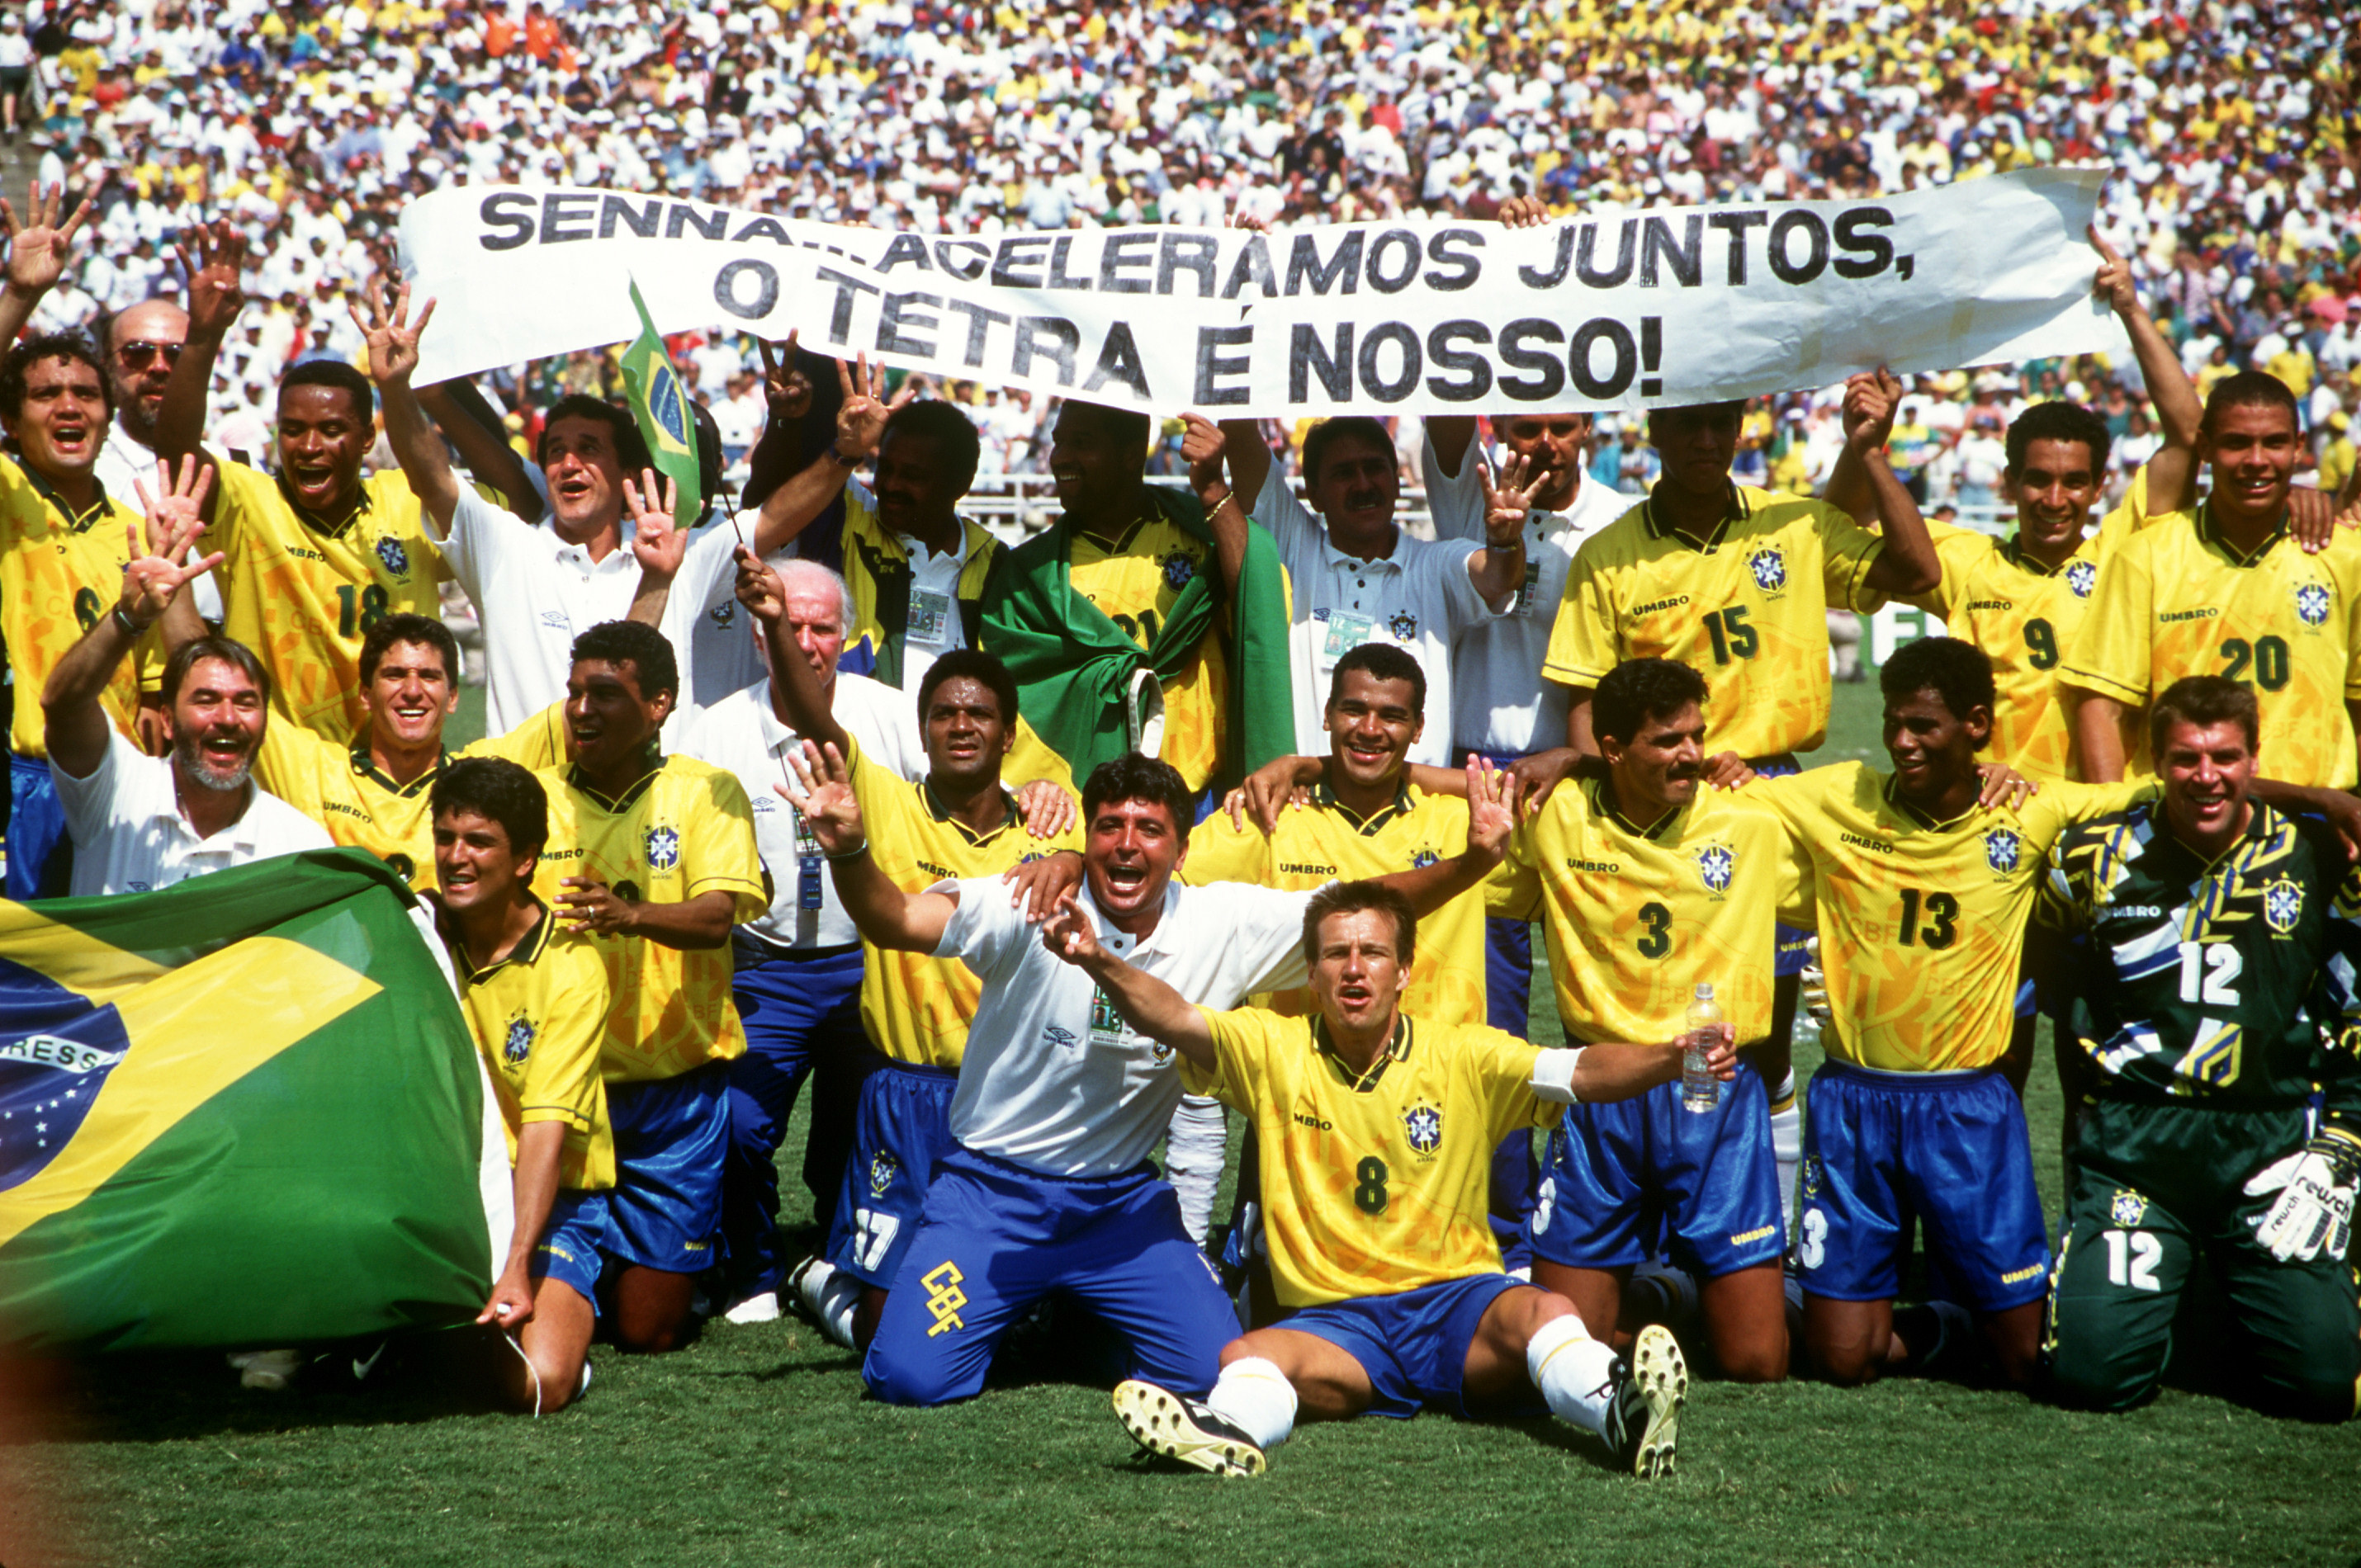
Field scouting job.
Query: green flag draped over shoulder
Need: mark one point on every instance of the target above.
(659, 405)
(1074, 667)
(243, 1110)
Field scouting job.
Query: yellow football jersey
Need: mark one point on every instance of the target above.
(2026, 615)
(1638, 917)
(1135, 584)
(1323, 843)
(2176, 600)
(1922, 924)
(539, 1016)
(917, 1007)
(302, 593)
(1380, 1183)
(1750, 610)
(341, 788)
(684, 829)
(59, 574)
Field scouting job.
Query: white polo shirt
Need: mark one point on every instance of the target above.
(1500, 705)
(741, 733)
(129, 835)
(535, 593)
(1053, 1079)
(1419, 598)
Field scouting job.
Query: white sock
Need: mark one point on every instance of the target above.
(1575, 1372)
(1786, 1146)
(1197, 1146)
(831, 1295)
(1256, 1395)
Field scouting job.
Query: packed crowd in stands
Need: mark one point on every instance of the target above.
(2233, 126)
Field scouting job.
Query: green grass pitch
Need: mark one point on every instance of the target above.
(754, 1446)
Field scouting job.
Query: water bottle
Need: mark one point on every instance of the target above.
(1700, 1090)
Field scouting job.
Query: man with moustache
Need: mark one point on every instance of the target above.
(140, 822)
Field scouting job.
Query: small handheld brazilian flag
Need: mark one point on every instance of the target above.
(660, 404)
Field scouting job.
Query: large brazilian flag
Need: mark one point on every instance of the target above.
(246, 1110)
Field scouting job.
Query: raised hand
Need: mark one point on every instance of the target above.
(656, 542)
(214, 263)
(37, 252)
(1508, 503)
(1491, 809)
(786, 389)
(1869, 402)
(392, 338)
(828, 805)
(1202, 448)
(759, 588)
(860, 417)
(2112, 282)
(159, 543)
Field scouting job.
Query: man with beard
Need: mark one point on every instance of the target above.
(141, 822)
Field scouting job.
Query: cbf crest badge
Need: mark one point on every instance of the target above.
(1770, 568)
(2311, 603)
(1715, 864)
(1423, 1124)
(1179, 571)
(2126, 1210)
(1423, 858)
(1404, 627)
(519, 1044)
(882, 1168)
(1812, 1176)
(2002, 851)
(2082, 577)
(663, 849)
(2282, 904)
(396, 559)
(723, 614)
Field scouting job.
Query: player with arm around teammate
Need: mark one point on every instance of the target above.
(1047, 1188)
(1376, 1133)
(1650, 883)
(536, 999)
(2215, 936)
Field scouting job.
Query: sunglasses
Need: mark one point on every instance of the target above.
(137, 355)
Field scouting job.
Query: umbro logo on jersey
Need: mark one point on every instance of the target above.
(2311, 602)
(1770, 568)
(1056, 1036)
(2082, 577)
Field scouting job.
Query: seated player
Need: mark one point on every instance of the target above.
(2212, 999)
(1650, 883)
(1922, 894)
(537, 1001)
(659, 863)
(1377, 1130)
(1047, 1187)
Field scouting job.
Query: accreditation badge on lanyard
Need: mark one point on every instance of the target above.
(929, 619)
(808, 869)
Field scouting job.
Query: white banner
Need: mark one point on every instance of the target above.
(1606, 310)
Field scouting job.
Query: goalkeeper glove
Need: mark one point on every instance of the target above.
(1812, 994)
(2313, 1212)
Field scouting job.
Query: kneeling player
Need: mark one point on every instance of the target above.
(1376, 1133)
(1650, 885)
(537, 1001)
(2216, 941)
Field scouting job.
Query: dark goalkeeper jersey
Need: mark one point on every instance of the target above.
(2231, 981)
